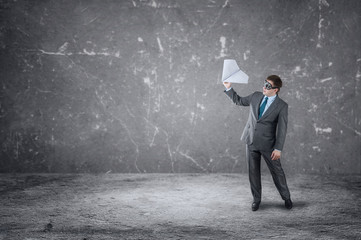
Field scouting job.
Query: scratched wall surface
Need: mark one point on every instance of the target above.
(134, 86)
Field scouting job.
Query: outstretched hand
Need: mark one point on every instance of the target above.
(227, 84)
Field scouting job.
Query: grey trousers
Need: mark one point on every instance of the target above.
(254, 169)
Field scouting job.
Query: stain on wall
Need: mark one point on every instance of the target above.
(134, 86)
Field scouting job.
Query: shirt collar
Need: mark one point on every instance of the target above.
(271, 98)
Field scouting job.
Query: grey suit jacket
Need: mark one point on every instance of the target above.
(268, 132)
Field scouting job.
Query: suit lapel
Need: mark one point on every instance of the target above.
(256, 107)
(271, 108)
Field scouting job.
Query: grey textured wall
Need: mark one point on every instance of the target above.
(134, 86)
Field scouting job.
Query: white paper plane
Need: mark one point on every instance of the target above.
(232, 73)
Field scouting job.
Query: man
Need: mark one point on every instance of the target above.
(264, 134)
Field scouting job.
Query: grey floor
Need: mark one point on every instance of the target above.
(179, 206)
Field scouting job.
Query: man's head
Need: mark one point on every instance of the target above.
(272, 85)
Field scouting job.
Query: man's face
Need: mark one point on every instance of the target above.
(268, 88)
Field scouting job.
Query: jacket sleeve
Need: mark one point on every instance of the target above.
(282, 128)
(241, 101)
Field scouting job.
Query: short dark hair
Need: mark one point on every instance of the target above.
(276, 80)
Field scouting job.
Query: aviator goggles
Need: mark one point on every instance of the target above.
(268, 86)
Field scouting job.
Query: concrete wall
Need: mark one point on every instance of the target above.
(134, 86)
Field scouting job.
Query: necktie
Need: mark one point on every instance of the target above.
(262, 107)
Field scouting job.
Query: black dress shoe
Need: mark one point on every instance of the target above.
(255, 206)
(288, 204)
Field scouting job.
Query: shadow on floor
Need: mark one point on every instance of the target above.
(280, 205)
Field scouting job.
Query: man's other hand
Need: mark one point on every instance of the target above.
(227, 85)
(275, 155)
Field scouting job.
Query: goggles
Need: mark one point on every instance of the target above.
(268, 86)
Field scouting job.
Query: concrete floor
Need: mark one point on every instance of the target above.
(179, 206)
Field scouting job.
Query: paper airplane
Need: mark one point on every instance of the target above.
(232, 73)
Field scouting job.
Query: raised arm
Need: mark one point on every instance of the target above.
(241, 101)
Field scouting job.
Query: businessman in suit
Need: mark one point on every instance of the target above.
(264, 134)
